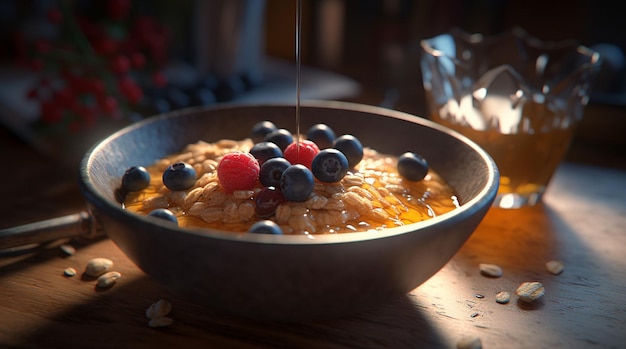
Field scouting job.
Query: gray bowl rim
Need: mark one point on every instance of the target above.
(484, 198)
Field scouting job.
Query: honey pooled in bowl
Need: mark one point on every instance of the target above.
(371, 196)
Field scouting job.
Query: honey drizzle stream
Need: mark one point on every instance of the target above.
(298, 63)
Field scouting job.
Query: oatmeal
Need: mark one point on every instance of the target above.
(370, 196)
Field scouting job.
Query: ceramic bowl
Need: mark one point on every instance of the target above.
(289, 277)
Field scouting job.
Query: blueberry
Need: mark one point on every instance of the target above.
(412, 166)
(262, 129)
(351, 147)
(178, 98)
(208, 81)
(229, 88)
(272, 170)
(281, 137)
(161, 105)
(135, 178)
(163, 213)
(264, 151)
(297, 183)
(202, 96)
(329, 165)
(265, 227)
(322, 135)
(179, 176)
(267, 201)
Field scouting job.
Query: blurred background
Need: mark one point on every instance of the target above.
(79, 67)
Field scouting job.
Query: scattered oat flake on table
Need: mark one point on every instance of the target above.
(530, 291)
(108, 279)
(469, 342)
(490, 270)
(98, 266)
(69, 271)
(503, 297)
(162, 321)
(158, 309)
(68, 249)
(554, 267)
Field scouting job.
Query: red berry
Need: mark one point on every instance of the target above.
(138, 60)
(120, 64)
(267, 200)
(108, 104)
(42, 46)
(238, 171)
(129, 89)
(302, 153)
(94, 86)
(51, 112)
(105, 46)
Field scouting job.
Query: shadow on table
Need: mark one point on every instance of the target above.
(117, 319)
(520, 241)
(22, 257)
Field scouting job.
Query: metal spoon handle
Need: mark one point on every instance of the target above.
(78, 224)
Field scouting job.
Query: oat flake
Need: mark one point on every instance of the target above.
(98, 266)
(503, 297)
(554, 267)
(530, 291)
(158, 309)
(491, 270)
(108, 279)
(68, 249)
(162, 321)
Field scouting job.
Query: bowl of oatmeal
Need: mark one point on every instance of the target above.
(349, 244)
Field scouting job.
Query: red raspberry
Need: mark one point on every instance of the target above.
(238, 171)
(304, 155)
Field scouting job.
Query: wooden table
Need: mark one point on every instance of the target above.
(581, 224)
